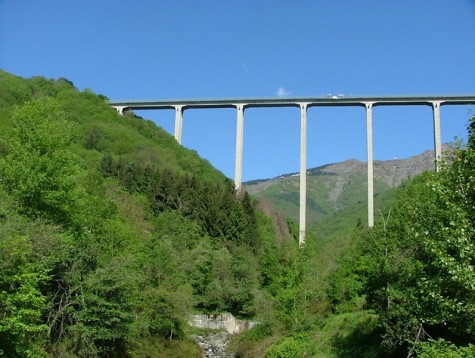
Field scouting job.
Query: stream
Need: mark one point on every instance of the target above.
(214, 344)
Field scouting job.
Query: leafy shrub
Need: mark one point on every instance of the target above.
(299, 345)
(258, 332)
(443, 348)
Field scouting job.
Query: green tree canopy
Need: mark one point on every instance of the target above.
(420, 261)
(39, 170)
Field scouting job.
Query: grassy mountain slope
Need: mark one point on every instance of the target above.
(337, 193)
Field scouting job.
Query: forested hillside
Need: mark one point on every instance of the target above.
(112, 235)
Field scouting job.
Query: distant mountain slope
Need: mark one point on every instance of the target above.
(335, 187)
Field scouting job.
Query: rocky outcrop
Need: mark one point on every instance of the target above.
(224, 321)
(279, 223)
(214, 343)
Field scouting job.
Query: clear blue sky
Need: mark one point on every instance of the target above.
(174, 49)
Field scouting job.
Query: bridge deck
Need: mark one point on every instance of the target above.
(295, 102)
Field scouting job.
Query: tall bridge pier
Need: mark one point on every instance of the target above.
(304, 103)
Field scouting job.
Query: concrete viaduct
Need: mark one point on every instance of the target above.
(304, 103)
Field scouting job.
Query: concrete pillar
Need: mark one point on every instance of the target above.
(178, 123)
(303, 173)
(120, 109)
(239, 145)
(437, 140)
(369, 148)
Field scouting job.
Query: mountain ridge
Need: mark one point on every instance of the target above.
(424, 159)
(337, 186)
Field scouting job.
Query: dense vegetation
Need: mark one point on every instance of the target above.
(111, 235)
